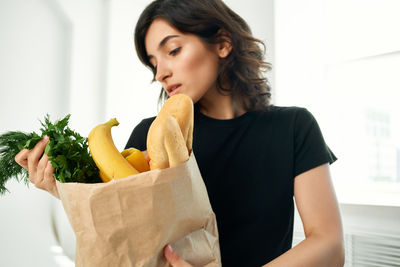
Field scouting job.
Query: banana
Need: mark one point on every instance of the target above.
(105, 154)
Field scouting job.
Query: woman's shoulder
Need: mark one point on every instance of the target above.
(284, 118)
(148, 120)
(138, 136)
(285, 109)
(292, 113)
(145, 123)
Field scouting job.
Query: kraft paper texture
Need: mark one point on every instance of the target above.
(127, 222)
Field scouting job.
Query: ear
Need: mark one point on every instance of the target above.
(224, 46)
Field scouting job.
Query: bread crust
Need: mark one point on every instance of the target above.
(170, 136)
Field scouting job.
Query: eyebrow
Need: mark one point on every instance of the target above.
(162, 43)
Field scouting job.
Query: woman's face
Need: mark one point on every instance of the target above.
(184, 64)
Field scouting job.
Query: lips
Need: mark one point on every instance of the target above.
(173, 89)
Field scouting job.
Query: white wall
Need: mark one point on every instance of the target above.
(334, 57)
(52, 60)
(130, 97)
(33, 82)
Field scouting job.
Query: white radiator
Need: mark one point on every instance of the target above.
(371, 235)
(372, 249)
(367, 249)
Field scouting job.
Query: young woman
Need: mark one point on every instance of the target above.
(254, 157)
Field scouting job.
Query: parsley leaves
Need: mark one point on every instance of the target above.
(68, 153)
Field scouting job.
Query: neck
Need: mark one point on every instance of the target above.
(219, 106)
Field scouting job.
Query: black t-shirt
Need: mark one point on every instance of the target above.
(248, 165)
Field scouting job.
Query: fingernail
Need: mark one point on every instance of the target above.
(170, 250)
(46, 138)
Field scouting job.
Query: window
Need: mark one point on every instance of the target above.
(341, 60)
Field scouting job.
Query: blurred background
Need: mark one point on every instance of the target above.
(339, 59)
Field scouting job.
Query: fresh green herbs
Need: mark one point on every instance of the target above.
(67, 150)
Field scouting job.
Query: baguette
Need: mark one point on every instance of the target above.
(170, 136)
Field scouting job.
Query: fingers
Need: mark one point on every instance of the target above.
(146, 155)
(44, 175)
(39, 167)
(49, 170)
(36, 153)
(50, 180)
(40, 171)
(45, 179)
(173, 258)
(22, 158)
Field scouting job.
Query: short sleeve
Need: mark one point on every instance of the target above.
(310, 149)
(138, 136)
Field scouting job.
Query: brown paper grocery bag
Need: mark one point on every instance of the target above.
(127, 222)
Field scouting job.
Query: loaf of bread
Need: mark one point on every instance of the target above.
(170, 136)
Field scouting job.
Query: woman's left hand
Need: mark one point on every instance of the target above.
(173, 258)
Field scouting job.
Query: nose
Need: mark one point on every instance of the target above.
(163, 72)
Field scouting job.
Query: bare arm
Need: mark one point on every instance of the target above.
(318, 208)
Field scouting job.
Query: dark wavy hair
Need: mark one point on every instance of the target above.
(244, 67)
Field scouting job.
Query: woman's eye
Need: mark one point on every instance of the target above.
(174, 51)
